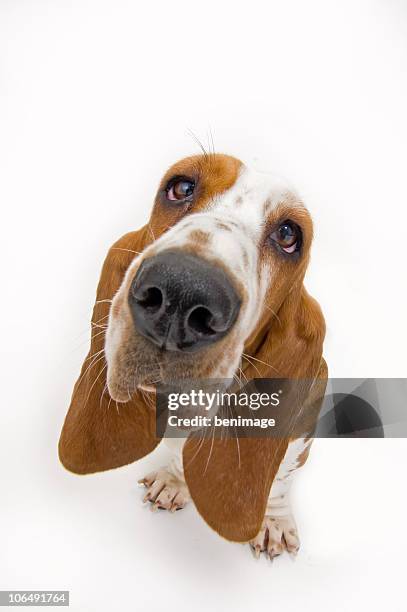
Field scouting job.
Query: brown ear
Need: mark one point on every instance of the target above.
(99, 434)
(230, 479)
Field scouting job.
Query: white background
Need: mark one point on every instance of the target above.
(96, 101)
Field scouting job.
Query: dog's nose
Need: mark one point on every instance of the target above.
(181, 302)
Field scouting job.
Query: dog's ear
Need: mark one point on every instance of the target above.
(230, 479)
(99, 434)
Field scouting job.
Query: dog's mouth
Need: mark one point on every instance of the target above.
(145, 368)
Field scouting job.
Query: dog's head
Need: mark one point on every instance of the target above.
(227, 246)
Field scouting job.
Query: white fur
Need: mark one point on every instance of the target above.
(278, 502)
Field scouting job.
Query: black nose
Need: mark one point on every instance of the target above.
(181, 302)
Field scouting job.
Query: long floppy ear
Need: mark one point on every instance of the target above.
(230, 479)
(99, 434)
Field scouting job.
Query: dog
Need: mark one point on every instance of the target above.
(210, 288)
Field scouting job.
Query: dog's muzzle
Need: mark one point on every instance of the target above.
(180, 302)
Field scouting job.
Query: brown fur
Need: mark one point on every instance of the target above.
(199, 237)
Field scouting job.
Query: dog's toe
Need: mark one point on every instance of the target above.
(165, 491)
(276, 535)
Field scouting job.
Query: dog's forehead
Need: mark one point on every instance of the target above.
(245, 205)
(254, 193)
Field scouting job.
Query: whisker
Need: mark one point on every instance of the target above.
(151, 230)
(101, 319)
(98, 334)
(263, 362)
(210, 450)
(94, 355)
(236, 379)
(84, 342)
(100, 326)
(101, 395)
(148, 399)
(212, 141)
(198, 142)
(199, 445)
(238, 450)
(94, 382)
(90, 366)
(244, 375)
(85, 331)
(128, 250)
(252, 364)
(273, 313)
(237, 439)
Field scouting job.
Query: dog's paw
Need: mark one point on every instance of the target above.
(165, 491)
(277, 534)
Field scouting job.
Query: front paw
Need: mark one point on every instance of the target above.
(277, 534)
(165, 491)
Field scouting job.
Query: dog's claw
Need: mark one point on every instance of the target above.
(276, 535)
(165, 491)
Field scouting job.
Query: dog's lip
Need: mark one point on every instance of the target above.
(148, 388)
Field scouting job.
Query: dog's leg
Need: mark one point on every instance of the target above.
(166, 487)
(279, 530)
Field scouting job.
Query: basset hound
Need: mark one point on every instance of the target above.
(211, 286)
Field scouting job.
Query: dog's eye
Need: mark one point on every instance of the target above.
(287, 236)
(180, 189)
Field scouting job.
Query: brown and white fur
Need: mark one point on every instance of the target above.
(279, 332)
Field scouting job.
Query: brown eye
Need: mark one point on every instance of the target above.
(180, 189)
(287, 236)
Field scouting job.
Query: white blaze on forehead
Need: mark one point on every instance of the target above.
(247, 200)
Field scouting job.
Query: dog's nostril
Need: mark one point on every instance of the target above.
(180, 302)
(200, 320)
(150, 298)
